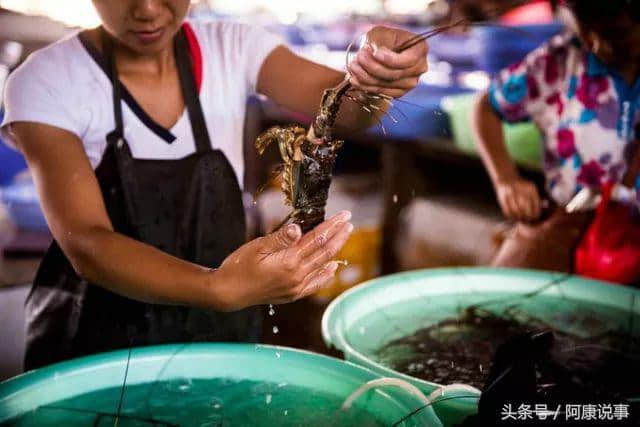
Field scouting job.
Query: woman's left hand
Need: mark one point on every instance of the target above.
(377, 68)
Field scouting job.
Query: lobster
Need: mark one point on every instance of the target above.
(309, 156)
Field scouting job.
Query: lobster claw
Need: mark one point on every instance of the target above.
(266, 138)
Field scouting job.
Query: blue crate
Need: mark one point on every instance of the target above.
(498, 47)
(420, 116)
(457, 49)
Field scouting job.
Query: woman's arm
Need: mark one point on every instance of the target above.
(518, 197)
(489, 136)
(280, 268)
(298, 84)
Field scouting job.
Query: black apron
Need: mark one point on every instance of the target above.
(190, 208)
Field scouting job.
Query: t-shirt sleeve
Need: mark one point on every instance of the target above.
(244, 48)
(257, 44)
(523, 90)
(35, 92)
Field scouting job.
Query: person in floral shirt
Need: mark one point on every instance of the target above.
(583, 92)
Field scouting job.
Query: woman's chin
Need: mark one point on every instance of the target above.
(149, 43)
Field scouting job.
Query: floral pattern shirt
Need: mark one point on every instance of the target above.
(586, 112)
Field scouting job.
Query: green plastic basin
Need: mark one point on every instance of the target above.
(523, 140)
(205, 385)
(361, 321)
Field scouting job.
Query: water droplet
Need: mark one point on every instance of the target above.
(362, 330)
(180, 385)
(286, 412)
(395, 198)
(271, 310)
(275, 330)
(268, 399)
(278, 354)
(480, 367)
(216, 403)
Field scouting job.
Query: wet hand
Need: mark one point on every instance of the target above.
(283, 266)
(519, 199)
(377, 68)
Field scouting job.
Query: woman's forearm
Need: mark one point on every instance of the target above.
(140, 271)
(279, 268)
(489, 137)
(312, 79)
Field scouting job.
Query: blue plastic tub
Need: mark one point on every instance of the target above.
(23, 206)
(366, 318)
(11, 162)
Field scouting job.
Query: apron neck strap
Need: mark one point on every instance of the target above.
(190, 93)
(107, 49)
(187, 85)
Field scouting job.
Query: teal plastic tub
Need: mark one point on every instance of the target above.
(363, 320)
(206, 385)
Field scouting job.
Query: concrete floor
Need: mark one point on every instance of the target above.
(12, 330)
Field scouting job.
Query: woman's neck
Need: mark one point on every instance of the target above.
(156, 64)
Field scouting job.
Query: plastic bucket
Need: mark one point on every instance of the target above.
(523, 140)
(205, 385)
(365, 318)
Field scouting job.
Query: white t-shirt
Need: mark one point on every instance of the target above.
(63, 86)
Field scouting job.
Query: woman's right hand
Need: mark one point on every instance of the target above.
(519, 199)
(281, 267)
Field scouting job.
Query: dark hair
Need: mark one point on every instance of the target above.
(594, 11)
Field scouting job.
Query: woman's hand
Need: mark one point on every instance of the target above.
(377, 68)
(281, 267)
(519, 199)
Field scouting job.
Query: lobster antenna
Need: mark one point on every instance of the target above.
(364, 106)
(391, 104)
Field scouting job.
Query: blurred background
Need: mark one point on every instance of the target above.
(419, 194)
